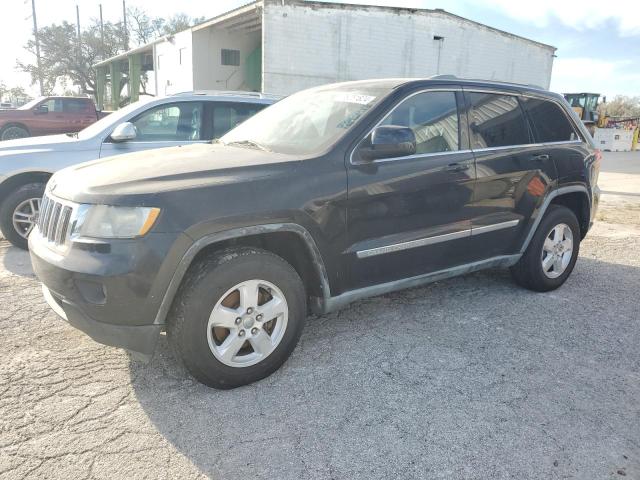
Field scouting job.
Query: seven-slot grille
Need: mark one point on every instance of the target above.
(54, 220)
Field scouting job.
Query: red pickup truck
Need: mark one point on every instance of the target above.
(48, 116)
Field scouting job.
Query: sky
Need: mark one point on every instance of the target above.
(598, 42)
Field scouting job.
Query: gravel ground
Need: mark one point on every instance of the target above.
(467, 378)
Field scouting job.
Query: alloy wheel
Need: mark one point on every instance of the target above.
(247, 323)
(557, 251)
(25, 216)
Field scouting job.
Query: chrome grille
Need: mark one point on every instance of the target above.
(55, 217)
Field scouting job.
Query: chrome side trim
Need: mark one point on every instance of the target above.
(335, 303)
(493, 227)
(545, 205)
(420, 242)
(418, 156)
(528, 145)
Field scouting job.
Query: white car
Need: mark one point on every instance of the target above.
(194, 117)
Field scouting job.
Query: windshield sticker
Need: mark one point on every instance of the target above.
(355, 98)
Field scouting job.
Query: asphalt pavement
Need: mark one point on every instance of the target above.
(469, 378)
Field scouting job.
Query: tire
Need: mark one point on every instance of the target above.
(209, 288)
(23, 199)
(13, 132)
(529, 272)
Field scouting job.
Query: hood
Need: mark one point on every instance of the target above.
(34, 144)
(167, 169)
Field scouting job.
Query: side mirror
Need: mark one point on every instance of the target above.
(124, 132)
(41, 109)
(390, 141)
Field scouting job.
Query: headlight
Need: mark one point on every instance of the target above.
(104, 221)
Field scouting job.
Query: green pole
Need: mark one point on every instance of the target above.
(116, 75)
(101, 80)
(134, 77)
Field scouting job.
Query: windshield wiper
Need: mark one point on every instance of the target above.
(73, 135)
(249, 143)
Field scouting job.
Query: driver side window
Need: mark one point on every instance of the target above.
(170, 123)
(433, 117)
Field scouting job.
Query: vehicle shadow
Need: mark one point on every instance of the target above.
(15, 260)
(463, 376)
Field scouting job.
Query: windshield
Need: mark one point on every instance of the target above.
(31, 104)
(112, 119)
(307, 122)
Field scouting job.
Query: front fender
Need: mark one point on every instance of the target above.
(221, 236)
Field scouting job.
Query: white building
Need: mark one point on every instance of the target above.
(281, 46)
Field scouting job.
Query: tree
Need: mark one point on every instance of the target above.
(145, 29)
(61, 58)
(63, 63)
(621, 106)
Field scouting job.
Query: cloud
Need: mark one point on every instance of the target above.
(580, 15)
(590, 74)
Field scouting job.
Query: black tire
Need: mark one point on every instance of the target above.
(528, 272)
(8, 207)
(204, 285)
(13, 132)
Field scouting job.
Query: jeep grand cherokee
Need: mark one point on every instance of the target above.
(334, 194)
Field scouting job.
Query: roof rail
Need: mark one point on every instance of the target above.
(234, 93)
(454, 77)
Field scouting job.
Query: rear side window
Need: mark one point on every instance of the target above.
(433, 117)
(226, 116)
(497, 121)
(548, 121)
(75, 105)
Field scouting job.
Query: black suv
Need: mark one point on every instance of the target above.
(333, 194)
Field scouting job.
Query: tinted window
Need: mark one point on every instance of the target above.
(549, 122)
(496, 121)
(75, 105)
(226, 116)
(173, 122)
(433, 117)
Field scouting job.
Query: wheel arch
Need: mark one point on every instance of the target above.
(574, 197)
(18, 180)
(290, 241)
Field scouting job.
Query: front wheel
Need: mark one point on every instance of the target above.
(19, 213)
(13, 132)
(552, 253)
(238, 316)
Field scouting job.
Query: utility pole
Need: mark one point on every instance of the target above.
(79, 38)
(124, 19)
(35, 34)
(102, 52)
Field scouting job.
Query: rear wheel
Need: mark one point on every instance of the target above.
(19, 213)
(552, 253)
(238, 316)
(13, 132)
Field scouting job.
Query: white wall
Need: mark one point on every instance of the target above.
(171, 75)
(308, 45)
(209, 73)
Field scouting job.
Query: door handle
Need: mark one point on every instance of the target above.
(457, 167)
(541, 158)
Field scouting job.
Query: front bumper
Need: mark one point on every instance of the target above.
(112, 293)
(139, 339)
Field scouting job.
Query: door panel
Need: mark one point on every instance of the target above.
(513, 173)
(411, 215)
(53, 121)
